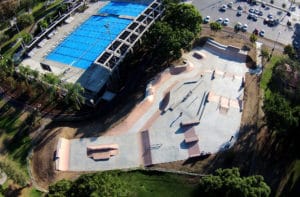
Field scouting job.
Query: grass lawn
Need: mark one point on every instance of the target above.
(267, 72)
(13, 137)
(146, 183)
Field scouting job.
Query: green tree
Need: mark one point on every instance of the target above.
(179, 27)
(8, 8)
(74, 96)
(289, 50)
(60, 188)
(43, 24)
(27, 38)
(3, 37)
(25, 20)
(253, 38)
(51, 78)
(279, 113)
(184, 16)
(105, 184)
(228, 182)
(214, 26)
(265, 53)
(27, 4)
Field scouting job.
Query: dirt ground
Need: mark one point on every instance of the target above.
(43, 158)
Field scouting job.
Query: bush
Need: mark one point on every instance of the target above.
(43, 24)
(3, 37)
(26, 37)
(12, 171)
(228, 182)
(25, 20)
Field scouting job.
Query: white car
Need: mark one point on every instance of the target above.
(226, 21)
(238, 26)
(244, 27)
(206, 19)
(219, 20)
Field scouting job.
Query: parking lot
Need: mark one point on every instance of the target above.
(281, 32)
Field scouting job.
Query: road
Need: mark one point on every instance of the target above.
(280, 33)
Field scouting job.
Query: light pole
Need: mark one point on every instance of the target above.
(14, 22)
(275, 43)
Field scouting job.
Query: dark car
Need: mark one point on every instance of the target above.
(239, 13)
(260, 13)
(254, 17)
(255, 31)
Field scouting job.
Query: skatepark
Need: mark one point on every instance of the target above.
(189, 110)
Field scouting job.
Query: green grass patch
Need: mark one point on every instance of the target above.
(14, 136)
(267, 73)
(33, 193)
(13, 171)
(150, 184)
(40, 10)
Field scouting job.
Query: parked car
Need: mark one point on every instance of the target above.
(238, 26)
(206, 19)
(244, 27)
(263, 5)
(251, 10)
(270, 16)
(239, 13)
(250, 16)
(255, 31)
(262, 33)
(256, 11)
(240, 7)
(223, 8)
(260, 13)
(219, 20)
(254, 17)
(226, 21)
(266, 21)
(230, 4)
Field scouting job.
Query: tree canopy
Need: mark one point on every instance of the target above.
(282, 101)
(25, 20)
(289, 50)
(180, 25)
(214, 26)
(98, 184)
(228, 182)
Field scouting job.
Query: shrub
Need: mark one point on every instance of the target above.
(25, 20)
(12, 171)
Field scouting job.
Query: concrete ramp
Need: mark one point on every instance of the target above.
(62, 154)
(146, 148)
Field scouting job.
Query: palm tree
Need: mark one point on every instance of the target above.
(74, 96)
